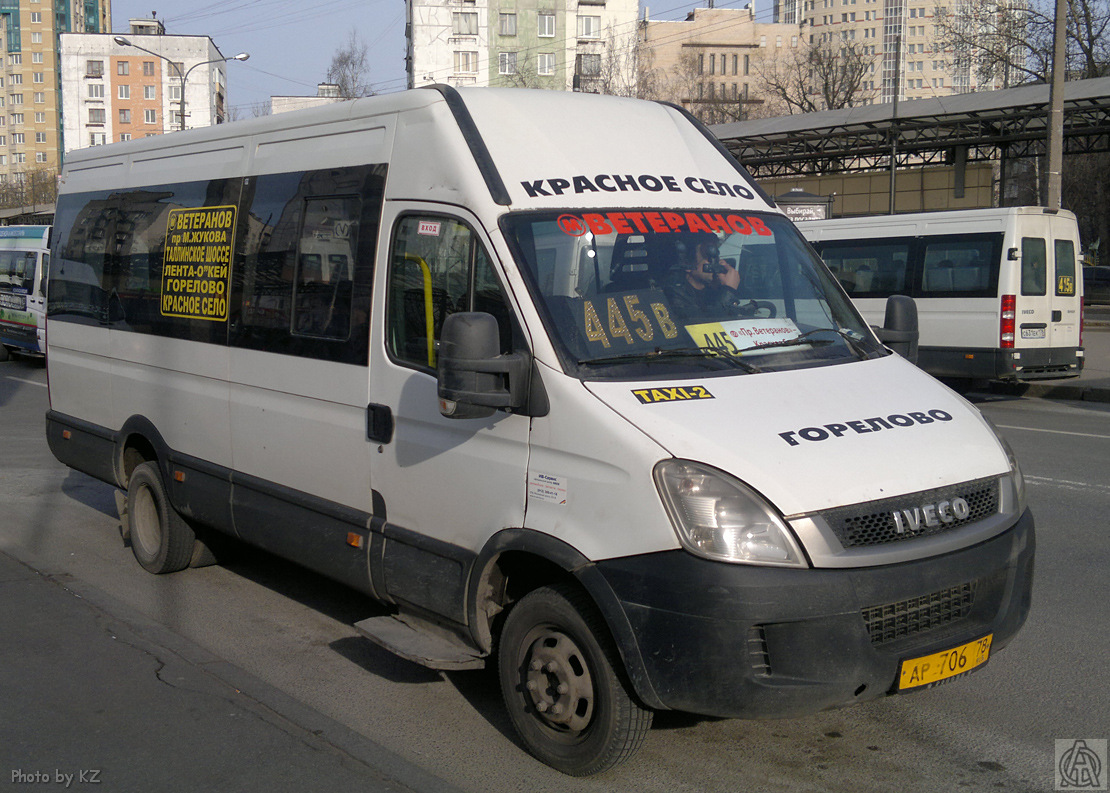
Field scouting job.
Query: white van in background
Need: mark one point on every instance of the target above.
(998, 291)
(24, 260)
(448, 347)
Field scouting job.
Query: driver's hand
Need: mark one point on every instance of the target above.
(730, 277)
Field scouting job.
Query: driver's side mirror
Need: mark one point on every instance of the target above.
(474, 378)
(899, 330)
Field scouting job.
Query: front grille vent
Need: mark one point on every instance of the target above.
(758, 655)
(874, 522)
(917, 615)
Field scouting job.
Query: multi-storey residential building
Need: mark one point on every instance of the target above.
(586, 45)
(706, 62)
(113, 92)
(30, 118)
(904, 39)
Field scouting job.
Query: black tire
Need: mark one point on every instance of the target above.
(160, 538)
(564, 685)
(4, 354)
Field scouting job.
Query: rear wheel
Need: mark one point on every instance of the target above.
(160, 538)
(564, 686)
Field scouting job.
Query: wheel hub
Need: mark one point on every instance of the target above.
(558, 682)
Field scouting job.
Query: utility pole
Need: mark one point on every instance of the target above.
(1056, 108)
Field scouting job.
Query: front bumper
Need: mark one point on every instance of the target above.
(760, 642)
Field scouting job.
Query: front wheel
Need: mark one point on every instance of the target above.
(564, 686)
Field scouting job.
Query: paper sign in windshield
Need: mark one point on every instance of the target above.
(196, 268)
(736, 336)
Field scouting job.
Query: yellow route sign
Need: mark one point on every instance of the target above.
(196, 267)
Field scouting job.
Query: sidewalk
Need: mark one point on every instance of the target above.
(95, 693)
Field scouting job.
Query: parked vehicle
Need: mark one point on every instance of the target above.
(24, 260)
(997, 292)
(431, 344)
(1096, 285)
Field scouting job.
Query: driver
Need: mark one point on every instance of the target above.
(703, 287)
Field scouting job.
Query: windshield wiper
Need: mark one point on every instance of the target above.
(856, 344)
(674, 355)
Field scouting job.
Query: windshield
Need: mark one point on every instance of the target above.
(641, 294)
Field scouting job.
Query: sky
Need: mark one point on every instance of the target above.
(291, 42)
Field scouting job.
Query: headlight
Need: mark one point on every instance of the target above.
(1015, 469)
(718, 517)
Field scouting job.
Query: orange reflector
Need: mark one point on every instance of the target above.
(179, 476)
(969, 357)
(66, 435)
(354, 539)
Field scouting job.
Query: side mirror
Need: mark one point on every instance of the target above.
(899, 330)
(474, 379)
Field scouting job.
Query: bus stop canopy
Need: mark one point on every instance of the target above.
(987, 125)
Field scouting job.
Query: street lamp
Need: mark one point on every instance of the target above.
(242, 56)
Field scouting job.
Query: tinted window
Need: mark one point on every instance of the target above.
(112, 263)
(1065, 268)
(281, 263)
(1034, 266)
(959, 266)
(303, 287)
(876, 268)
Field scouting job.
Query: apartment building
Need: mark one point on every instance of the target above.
(707, 62)
(113, 92)
(904, 39)
(585, 45)
(30, 79)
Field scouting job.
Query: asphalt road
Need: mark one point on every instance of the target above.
(280, 640)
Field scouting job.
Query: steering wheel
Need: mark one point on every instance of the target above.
(760, 305)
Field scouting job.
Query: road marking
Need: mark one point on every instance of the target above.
(1054, 432)
(1064, 483)
(28, 382)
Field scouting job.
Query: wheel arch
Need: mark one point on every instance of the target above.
(139, 441)
(517, 561)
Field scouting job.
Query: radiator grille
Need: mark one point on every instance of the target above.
(873, 523)
(916, 615)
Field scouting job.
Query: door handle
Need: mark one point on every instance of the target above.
(379, 423)
(1057, 316)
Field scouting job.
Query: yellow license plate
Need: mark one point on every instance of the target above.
(929, 669)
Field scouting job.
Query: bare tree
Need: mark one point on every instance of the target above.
(1009, 42)
(350, 68)
(826, 75)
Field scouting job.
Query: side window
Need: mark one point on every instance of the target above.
(1034, 266)
(45, 274)
(959, 266)
(308, 263)
(437, 266)
(875, 269)
(1065, 268)
(322, 287)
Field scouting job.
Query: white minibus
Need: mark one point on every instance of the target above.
(24, 259)
(488, 356)
(998, 291)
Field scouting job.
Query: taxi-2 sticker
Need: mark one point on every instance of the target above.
(682, 393)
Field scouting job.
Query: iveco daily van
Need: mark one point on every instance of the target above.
(549, 374)
(998, 291)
